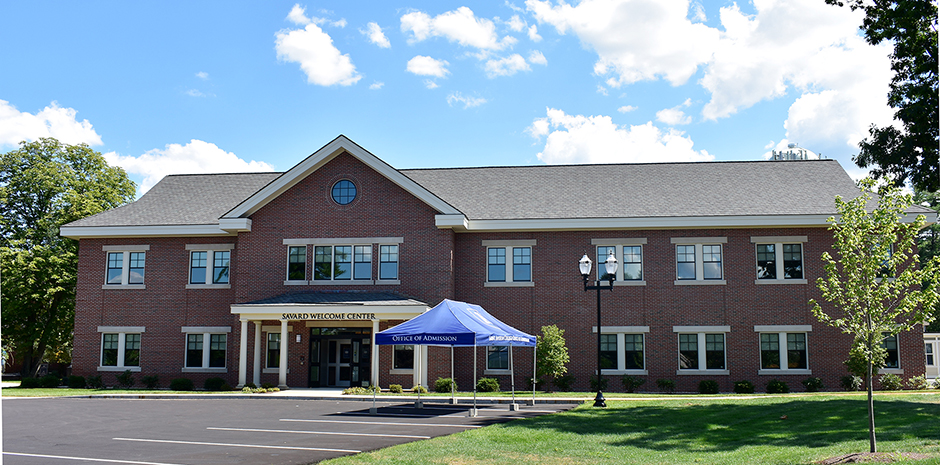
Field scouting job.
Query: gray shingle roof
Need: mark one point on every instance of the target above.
(191, 199)
(344, 298)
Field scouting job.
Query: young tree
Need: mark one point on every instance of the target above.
(551, 353)
(874, 284)
(43, 185)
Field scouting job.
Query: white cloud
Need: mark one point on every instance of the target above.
(376, 85)
(698, 12)
(460, 25)
(536, 58)
(321, 61)
(534, 33)
(468, 102)
(427, 66)
(516, 23)
(376, 36)
(298, 16)
(195, 93)
(52, 121)
(626, 109)
(203, 75)
(195, 157)
(430, 84)
(596, 139)
(506, 66)
(674, 116)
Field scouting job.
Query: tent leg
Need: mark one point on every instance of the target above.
(453, 395)
(512, 382)
(418, 403)
(534, 372)
(473, 411)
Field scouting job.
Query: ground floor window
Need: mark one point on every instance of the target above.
(623, 349)
(206, 348)
(703, 350)
(403, 357)
(497, 358)
(890, 344)
(273, 358)
(120, 350)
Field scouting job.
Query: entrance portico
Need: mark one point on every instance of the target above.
(340, 328)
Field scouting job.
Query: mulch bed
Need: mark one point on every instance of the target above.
(877, 457)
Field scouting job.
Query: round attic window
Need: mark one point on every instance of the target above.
(344, 192)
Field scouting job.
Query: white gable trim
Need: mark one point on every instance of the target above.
(323, 156)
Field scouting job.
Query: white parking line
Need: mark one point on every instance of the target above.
(87, 459)
(350, 422)
(318, 432)
(258, 446)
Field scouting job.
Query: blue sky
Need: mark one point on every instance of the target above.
(188, 87)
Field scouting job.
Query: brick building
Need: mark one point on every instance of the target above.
(284, 278)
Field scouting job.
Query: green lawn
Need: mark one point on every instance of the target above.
(699, 431)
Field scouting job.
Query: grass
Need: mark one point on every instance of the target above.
(689, 431)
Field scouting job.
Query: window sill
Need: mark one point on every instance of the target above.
(204, 370)
(625, 372)
(702, 372)
(133, 369)
(123, 286)
(497, 372)
(893, 371)
(399, 371)
(630, 283)
(511, 284)
(778, 372)
(342, 282)
(269, 371)
(296, 283)
(700, 282)
(388, 282)
(208, 286)
(780, 281)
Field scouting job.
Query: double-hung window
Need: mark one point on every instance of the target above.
(120, 348)
(629, 255)
(349, 261)
(206, 348)
(388, 262)
(210, 266)
(497, 358)
(702, 349)
(342, 263)
(699, 260)
(125, 266)
(623, 349)
(403, 357)
(509, 263)
(783, 349)
(779, 259)
(273, 352)
(297, 264)
(892, 359)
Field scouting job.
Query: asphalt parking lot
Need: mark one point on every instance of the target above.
(225, 431)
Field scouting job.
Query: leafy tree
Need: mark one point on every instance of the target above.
(875, 285)
(928, 243)
(551, 353)
(908, 153)
(43, 185)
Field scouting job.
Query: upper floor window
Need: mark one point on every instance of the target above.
(120, 348)
(209, 265)
(344, 192)
(388, 262)
(629, 254)
(699, 260)
(125, 265)
(297, 263)
(779, 259)
(508, 263)
(343, 261)
(702, 348)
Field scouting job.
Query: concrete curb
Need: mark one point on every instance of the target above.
(461, 401)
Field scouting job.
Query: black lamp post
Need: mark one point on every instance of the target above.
(585, 266)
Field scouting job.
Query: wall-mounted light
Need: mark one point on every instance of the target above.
(298, 338)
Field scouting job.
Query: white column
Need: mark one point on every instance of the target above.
(243, 355)
(282, 369)
(256, 373)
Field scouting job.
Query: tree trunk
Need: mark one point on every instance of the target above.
(871, 405)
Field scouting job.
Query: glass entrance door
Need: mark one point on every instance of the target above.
(340, 357)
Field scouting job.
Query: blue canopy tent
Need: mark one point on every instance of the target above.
(457, 324)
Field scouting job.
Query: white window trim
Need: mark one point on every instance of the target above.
(778, 243)
(415, 349)
(698, 242)
(122, 332)
(273, 329)
(701, 331)
(620, 331)
(296, 282)
(508, 245)
(498, 371)
(618, 244)
(781, 331)
(207, 332)
(378, 268)
(125, 265)
(210, 250)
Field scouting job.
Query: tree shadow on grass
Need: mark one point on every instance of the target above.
(730, 425)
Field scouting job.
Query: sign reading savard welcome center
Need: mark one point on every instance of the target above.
(328, 316)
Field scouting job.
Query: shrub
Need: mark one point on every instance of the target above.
(248, 390)
(396, 388)
(631, 383)
(419, 389)
(563, 383)
(29, 383)
(775, 386)
(181, 384)
(94, 382)
(76, 382)
(356, 391)
(214, 384)
(666, 385)
(251, 386)
(812, 384)
(936, 383)
(744, 387)
(488, 385)
(268, 385)
(126, 379)
(918, 383)
(852, 383)
(151, 381)
(50, 381)
(539, 383)
(603, 384)
(708, 386)
(891, 382)
(444, 385)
